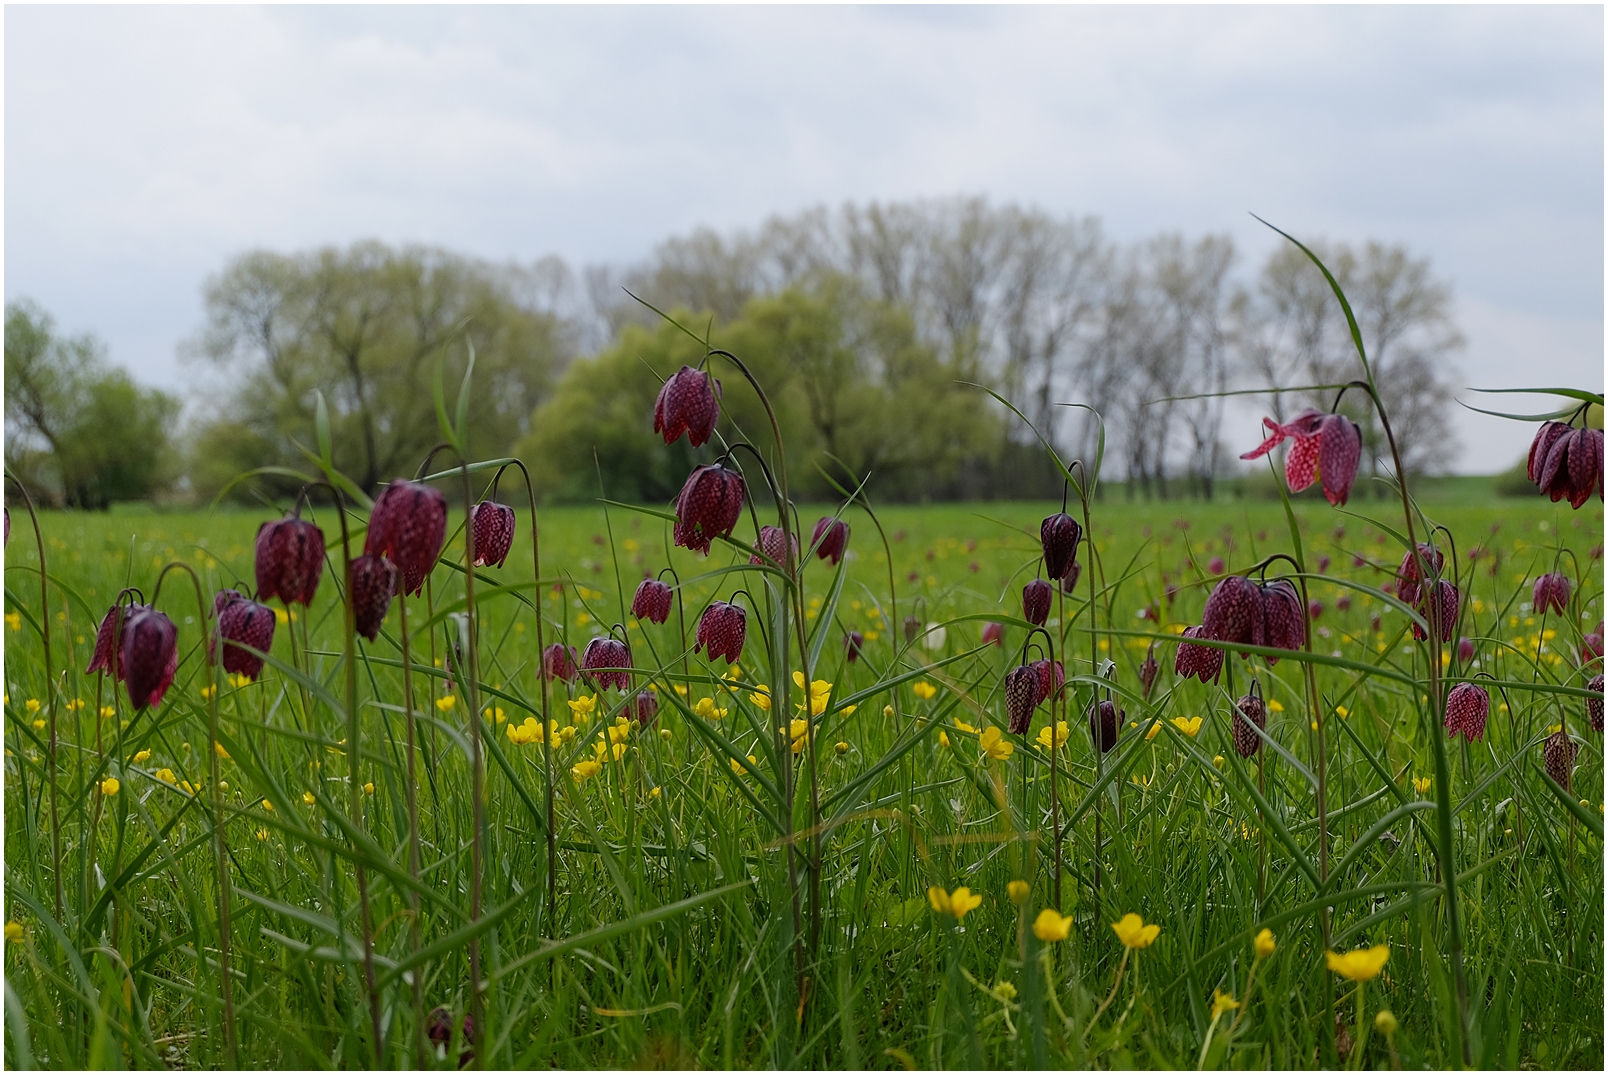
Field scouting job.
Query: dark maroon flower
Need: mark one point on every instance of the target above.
(1202, 662)
(1407, 576)
(774, 543)
(1059, 535)
(912, 627)
(652, 601)
(493, 525)
(1558, 756)
(558, 662)
(107, 657)
(438, 1025)
(1021, 698)
(993, 634)
(245, 621)
(409, 526)
(1052, 677)
(1069, 581)
(1234, 612)
(709, 505)
(1591, 646)
(1282, 626)
(1541, 447)
(1326, 445)
(1594, 705)
(1036, 602)
(150, 656)
(688, 403)
(374, 583)
(831, 539)
(1551, 593)
(290, 560)
(1443, 607)
(601, 657)
(1247, 711)
(852, 645)
(7, 539)
(721, 631)
(1343, 602)
(1215, 565)
(1465, 649)
(1323, 564)
(645, 708)
(1467, 706)
(1314, 608)
(1148, 670)
(1104, 721)
(1573, 467)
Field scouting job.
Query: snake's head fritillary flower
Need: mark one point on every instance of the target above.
(776, 546)
(1443, 606)
(831, 539)
(1594, 705)
(1202, 662)
(1248, 710)
(494, 532)
(1105, 719)
(1408, 582)
(645, 708)
(1234, 612)
(708, 507)
(1069, 581)
(1551, 593)
(1573, 467)
(374, 583)
(558, 662)
(1467, 706)
(1036, 602)
(652, 601)
(688, 403)
(1314, 608)
(1326, 445)
(605, 660)
(993, 634)
(1282, 626)
(289, 560)
(408, 525)
(1052, 677)
(245, 621)
(1591, 646)
(1021, 698)
(1059, 536)
(1133, 933)
(1148, 671)
(1215, 565)
(150, 656)
(1465, 649)
(1541, 447)
(107, 656)
(721, 631)
(853, 643)
(1558, 757)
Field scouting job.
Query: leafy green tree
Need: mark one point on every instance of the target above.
(369, 327)
(79, 432)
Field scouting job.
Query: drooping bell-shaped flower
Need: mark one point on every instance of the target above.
(911, 627)
(604, 660)
(1069, 581)
(1551, 593)
(408, 526)
(242, 620)
(1443, 606)
(645, 707)
(493, 525)
(150, 656)
(1591, 645)
(1282, 626)
(374, 583)
(1573, 467)
(1408, 581)
(688, 403)
(1202, 662)
(289, 560)
(1329, 445)
(1234, 612)
(1541, 448)
(774, 542)
(1036, 602)
(993, 634)
(558, 662)
(1594, 705)
(1105, 719)
(1248, 710)
(1021, 698)
(108, 653)
(1467, 706)
(1052, 677)
(652, 601)
(709, 506)
(721, 631)
(831, 539)
(853, 643)
(1148, 670)
(1465, 649)
(1558, 757)
(1059, 536)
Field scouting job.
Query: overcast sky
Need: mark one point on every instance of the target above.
(145, 147)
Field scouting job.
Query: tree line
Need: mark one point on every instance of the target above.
(876, 322)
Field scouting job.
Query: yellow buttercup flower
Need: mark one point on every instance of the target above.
(109, 786)
(943, 739)
(222, 753)
(1061, 734)
(208, 691)
(107, 712)
(446, 702)
(494, 714)
(760, 696)
(582, 707)
(585, 770)
(887, 710)
(840, 747)
(142, 756)
(1051, 926)
(820, 691)
(31, 705)
(307, 798)
(281, 617)
(166, 776)
(262, 834)
(239, 681)
(14, 930)
(1132, 931)
(798, 730)
(924, 690)
(620, 732)
(1360, 965)
(368, 789)
(1222, 1003)
(1274, 706)
(993, 746)
(266, 805)
(955, 903)
(1218, 761)
(740, 769)
(1421, 784)
(14, 620)
(654, 792)
(707, 709)
(1190, 726)
(1264, 944)
(1018, 890)
(39, 725)
(75, 705)
(1155, 730)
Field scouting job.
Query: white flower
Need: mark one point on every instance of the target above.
(933, 640)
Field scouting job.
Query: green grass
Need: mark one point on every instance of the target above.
(654, 971)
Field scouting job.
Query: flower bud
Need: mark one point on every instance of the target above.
(1105, 720)
(708, 507)
(245, 621)
(1058, 537)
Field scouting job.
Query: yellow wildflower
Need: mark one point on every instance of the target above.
(166, 776)
(307, 797)
(740, 769)
(1360, 965)
(1155, 730)
(1264, 944)
(262, 834)
(993, 746)
(39, 725)
(109, 786)
(1218, 760)
(31, 705)
(281, 617)
(1018, 890)
(956, 903)
(820, 691)
(1061, 733)
(239, 681)
(1274, 706)
(1344, 712)
(1222, 1003)
(222, 753)
(1132, 931)
(266, 805)
(681, 689)
(653, 793)
(14, 930)
(446, 702)
(1385, 1022)
(1421, 784)
(495, 714)
(887, 710)
(1005, 991)
(840, 747)
(943, 740)
(707, 709)
(799, 731)
(585, 770)
(142, 756)
(924, 690)
(107, 712)
(1051, 926)
(75, 705)
(760, 696)
(619, 733)
(14, 621)
(368, 789)
(582, 707)
(1190, 726)
(732, 673)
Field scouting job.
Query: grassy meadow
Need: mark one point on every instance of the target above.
(731, 895)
